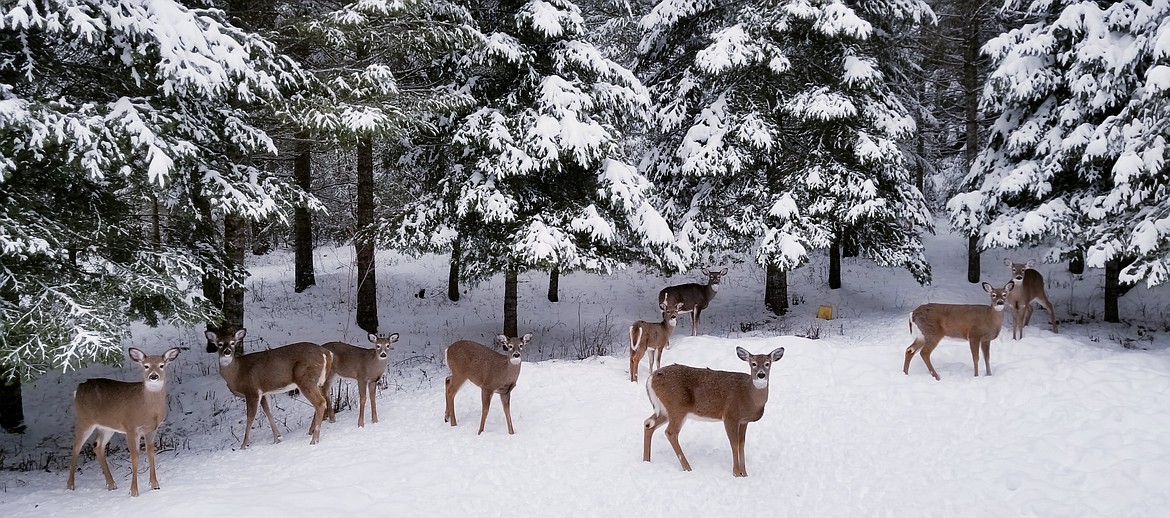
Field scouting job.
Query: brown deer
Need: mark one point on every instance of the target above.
(1029, 288)
(653, 337)
(978, 324)
(693, 297)
(303, 365)
(364, 366)
(736, 398)
(134, 408)
(492, 372)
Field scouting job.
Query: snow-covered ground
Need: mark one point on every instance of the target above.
(1071, 424)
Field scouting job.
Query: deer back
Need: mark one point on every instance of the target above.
(958, 320)
(692, 294)
(481, 364)
(707, 393)
(278, 369)
(119, 405)
(351, 361)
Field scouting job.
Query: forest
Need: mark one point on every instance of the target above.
(150, 149)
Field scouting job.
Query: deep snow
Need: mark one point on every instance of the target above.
(1070, 424)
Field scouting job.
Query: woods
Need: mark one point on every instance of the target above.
(143, 141)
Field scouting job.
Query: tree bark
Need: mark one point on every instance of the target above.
(303, 273)
(973, 265)
(1076, 263)
(511, 282)
(235, 237)
(1112, 290)
(453, 273)
(11, 404)
(776, 289)
(554, 283)
(367, 288)
(835, 264)
(971, 92)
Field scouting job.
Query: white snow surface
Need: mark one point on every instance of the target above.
(1070, 424)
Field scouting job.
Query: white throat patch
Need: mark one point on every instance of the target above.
(760, 383)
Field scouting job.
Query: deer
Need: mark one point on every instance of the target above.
(133, 408)
(253, 376)
(364, 366)
(492, 372)
(977, 323)
(1029, 288)
(694, 297)
(653, 337)
(736, 398)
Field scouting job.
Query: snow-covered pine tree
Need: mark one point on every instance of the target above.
(780, 130)
(383, 62)
(107, 107)
(1076, 160)
(535, 175)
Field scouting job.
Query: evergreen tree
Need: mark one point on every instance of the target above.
(1076, 160)
(107, 107)
(537, 175)
(779, 130)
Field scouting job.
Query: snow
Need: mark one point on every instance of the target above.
(1070, 424)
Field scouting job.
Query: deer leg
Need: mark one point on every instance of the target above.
(373, 393)
(635, 359)
(453, 385)
(150, 436)
(132, 440)
(79, 437)
(654, 354)
(695, 323)
(732, 428)
(276, 437)
(986, 346)
(1028, 309)
(319, 402)
(1051, 314)
(486, 397)
(362, 388)
(925, 354)
(910, 351)
(672, 430)
(329, 410)
(650, 424)
(742, 441)
(975, 354)
(506, 399)
(99, 448)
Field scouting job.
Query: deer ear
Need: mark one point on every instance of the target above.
(987, 287)
(240, 334)
(724, 272)
(1030, 264)
(393, 337)
(372, 337)
(678, 306)
(662, 306)
(1007, 261)
(1011, 285)
(743, 354)
(527, 338)
(171, 354)
(777, 354)
(210, 335)
(136, 355)
(502, 340)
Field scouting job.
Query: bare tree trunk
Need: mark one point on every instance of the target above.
(511, 282)
(453, 273)
(835, 264)
(367, 289)
(776, 289)
(1112, 290)
(1076, 263)
(973, 265)
(971, 91)
(303, 273)
(554, 283)
(235, 237)
(11, 404)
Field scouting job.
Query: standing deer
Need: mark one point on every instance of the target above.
(1029, 288)
(979, 324)
(492, 372)
(736, 398)
(133, 408)
(303, 365)
(653, 337)
(364, 366)
(693, 297)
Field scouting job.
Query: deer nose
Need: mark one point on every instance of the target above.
(761, 375)
(154, 377)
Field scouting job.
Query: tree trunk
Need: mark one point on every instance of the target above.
(835, 264)
(206, 231)
(1076, 263)
(971, 92)
(303, 273)
(554, 283)
(511, 280)
(155, 222)
(367, 288)
(973, 259)
(11, 404)
(776, 289)
(1112, 290)
(235, 237)
(453, 273)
